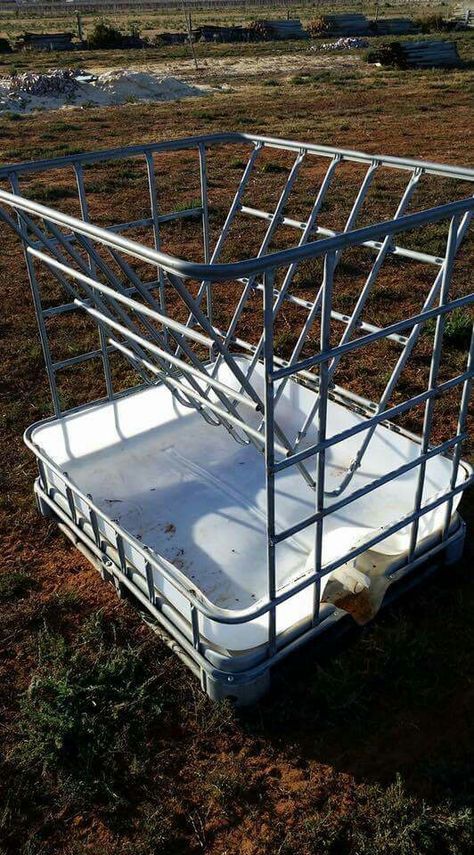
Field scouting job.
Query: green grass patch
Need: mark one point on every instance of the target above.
(14, 585)
(86, 715)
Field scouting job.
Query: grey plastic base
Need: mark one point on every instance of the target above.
(241, 693)
(241, 687)
(455, 548)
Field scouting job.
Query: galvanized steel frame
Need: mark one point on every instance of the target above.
(71, 250)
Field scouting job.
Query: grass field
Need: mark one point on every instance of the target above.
(108, 745)
(151, 22)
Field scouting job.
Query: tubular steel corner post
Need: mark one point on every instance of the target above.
(93, 267)
(327, 287)
(461, 432)
(268, 280)
(446, 276)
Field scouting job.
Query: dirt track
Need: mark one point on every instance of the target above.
(220, 70)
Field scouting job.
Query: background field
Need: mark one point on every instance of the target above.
(153, 21)
(107, 744)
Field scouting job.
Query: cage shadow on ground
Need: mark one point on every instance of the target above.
(393, 697)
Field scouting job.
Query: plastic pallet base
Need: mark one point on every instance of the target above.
(243, 691)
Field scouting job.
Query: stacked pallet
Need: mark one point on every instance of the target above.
(428, 54)
(283, 29)
(423, 54)
(394, 27)
(350, 24)
(214, 33)
(45, 41)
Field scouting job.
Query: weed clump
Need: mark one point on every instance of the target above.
(105, 36)
(14, 585)
(86, 715)
(383, 822)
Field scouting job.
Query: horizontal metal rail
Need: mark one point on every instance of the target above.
(442, 448)
(363, 341)
(215, 272)
(337, 316)
(168, 357)
(243, 426)
(413, 254)
(376, 419)
(350, 155)
(122, 298)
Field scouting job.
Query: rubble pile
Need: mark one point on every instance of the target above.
(346, 43)
(57, 82)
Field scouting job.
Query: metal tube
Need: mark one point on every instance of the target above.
(369, 488)
(433, 376)
(261, 252)
(241, 268)
(330, 262)
(117, 295)
(401, 362)
(362, 299)
(85, 216)
(463, 413)
(363, 341)
(218, 139)
(153, 193)
(230, 361)
(373, 420)
(282, 294)
(204, 401)
(205, 222)
(424, 257)
(269, 455)
(36, 294)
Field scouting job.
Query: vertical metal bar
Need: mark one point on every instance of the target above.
(205, 221)
(268, 280)
(150, 582)
(359, 201)
(79, 173)
(92, 294)
(35, 291)
(70, 501)
(433, 378)
(329, 265)
(195, 628)
(121, 553)
(360, 198)
(94, 524)
(233, 210)
(461, 427)
(153, 191)
(234, 367)
(42, 472)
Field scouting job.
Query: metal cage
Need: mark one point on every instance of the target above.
(278, 497)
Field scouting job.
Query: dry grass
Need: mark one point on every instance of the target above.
(313, 768)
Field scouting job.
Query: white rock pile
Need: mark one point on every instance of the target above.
(346, 43)
(75, 88)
